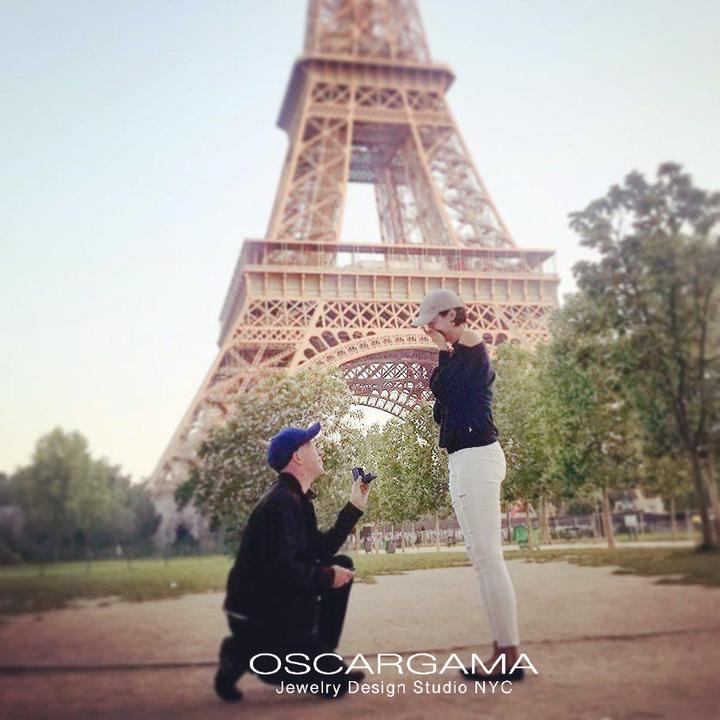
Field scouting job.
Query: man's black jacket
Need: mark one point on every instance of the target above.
(283, 561)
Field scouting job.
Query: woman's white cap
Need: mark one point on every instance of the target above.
(436, 302)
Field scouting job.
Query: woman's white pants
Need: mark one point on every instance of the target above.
(476, 475)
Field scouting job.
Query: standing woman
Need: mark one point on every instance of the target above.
(462, 385)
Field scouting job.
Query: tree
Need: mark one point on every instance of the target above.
(5, 491)
(233, 474)
(428, 464)
(656, 283)
(130, 517)
(668, 477)
(393, 500)
(71, 502)
(361, 449)
(412, 469)
(61, 493)
(521, 414)
(596, 428)
(145, 518)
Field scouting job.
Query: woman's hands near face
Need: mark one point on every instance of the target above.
(437, 337)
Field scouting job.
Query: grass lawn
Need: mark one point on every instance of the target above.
(369, 565)
(682, 536)
(24, 590)
(681, 566)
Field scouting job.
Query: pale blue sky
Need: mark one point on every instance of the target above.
(138, 148)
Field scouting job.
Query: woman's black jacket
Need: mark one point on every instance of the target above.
(462, 385)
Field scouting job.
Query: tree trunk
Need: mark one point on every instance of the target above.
(673, 521)
(437, 532)
(708, 468)
(709, 540)
(545, 538)
(607, 519)
(595, 519)
(509, 525)
(528, 518)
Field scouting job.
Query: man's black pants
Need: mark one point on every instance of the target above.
(249, 639)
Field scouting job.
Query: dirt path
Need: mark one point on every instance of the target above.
(606, 646)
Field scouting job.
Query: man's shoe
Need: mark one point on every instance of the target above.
(227, 656)
(516, 674)
(227, 674)
(225, 687)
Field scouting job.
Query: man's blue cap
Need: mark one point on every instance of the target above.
(286, 442)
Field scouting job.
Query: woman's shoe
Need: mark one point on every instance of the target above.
(516, 674)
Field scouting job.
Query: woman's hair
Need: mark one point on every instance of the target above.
(460, 315)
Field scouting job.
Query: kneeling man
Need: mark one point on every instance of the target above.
(287, 591)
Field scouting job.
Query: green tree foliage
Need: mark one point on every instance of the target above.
(61, 492)
(670, 478)
(72, 502)
(655, 285)
(428, 465)
(387, 502)
(413, 473)
(363, 450)
(521, 409)
(5, 498)
(597, 441)
(521, 414)
(145, 518)
(233, 474)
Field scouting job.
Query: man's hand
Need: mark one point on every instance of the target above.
(367, 478)
(359, 493)
(342, 576)
(437, 337)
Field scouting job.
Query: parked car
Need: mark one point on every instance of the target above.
(571, 532)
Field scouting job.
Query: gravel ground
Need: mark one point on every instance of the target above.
(606, 646)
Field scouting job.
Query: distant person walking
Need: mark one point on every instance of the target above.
(462, 385)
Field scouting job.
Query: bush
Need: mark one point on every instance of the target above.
(8, 556)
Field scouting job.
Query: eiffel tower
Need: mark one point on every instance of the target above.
(365, 104)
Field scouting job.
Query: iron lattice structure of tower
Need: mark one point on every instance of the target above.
(366, 104)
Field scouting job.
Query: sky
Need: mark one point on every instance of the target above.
(138, 147)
